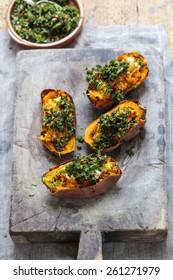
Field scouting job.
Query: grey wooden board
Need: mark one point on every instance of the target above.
(136, 209)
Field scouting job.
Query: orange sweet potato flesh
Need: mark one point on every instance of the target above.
(69, 187)
(49, 136)
(136, 73)
(136, 120)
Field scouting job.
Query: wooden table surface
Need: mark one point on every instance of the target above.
(122, 12)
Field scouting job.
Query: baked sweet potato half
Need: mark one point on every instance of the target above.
(58, 131)
(83, 176)
(119, 124)
(108, 84)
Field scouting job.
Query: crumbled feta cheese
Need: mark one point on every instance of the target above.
(130, 59)
(57, 99)
(97, 174)
(66, 175)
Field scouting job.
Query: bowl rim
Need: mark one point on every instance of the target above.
(57, 44)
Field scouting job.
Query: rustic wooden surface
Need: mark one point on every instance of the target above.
(139, 198)
(122, 12)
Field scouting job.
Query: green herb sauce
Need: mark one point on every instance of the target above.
(62, 120)
(98, 76)
(130, 152)
(79, 147)
(80, 138)
(44, 23)
(83, 169)
(115, 124)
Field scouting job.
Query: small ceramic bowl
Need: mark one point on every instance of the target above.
(58, 44)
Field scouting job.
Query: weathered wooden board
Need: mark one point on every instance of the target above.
(136, 209)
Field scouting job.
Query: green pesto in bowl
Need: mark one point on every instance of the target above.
(44, 23)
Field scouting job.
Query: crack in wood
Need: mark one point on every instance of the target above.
(20, 146)
(29, 218)
(54, 226)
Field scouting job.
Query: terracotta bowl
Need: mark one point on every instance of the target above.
(58, 44)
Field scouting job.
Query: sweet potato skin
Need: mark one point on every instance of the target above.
(125, 81)
(84, 192)
(72, 143)
(131, 133)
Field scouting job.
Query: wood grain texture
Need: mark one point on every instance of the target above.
(136, 208)
(3, 7)
(132, 11)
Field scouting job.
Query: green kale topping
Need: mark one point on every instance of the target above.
(100, 76)
(84, 168)
(44, 23)
(115, 124)
(62, 120)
